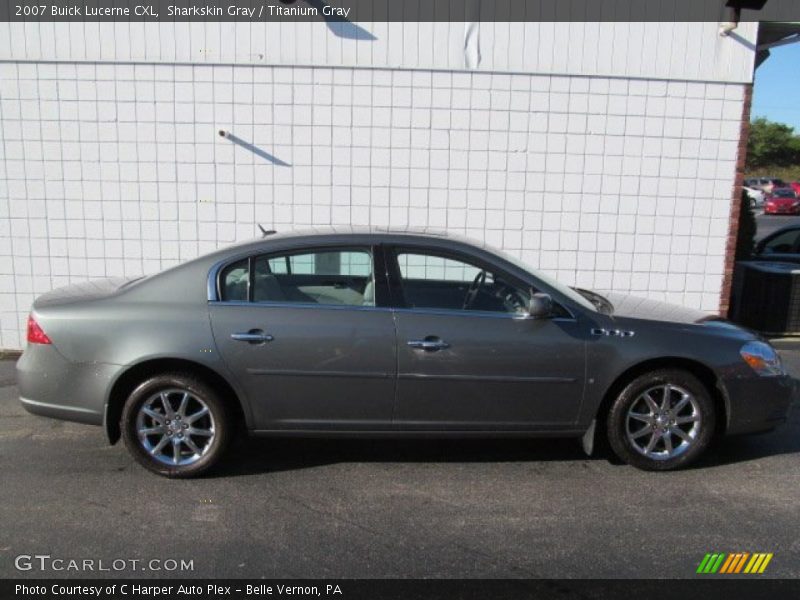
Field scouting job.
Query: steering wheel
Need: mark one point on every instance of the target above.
(510, 298)
(473, 290)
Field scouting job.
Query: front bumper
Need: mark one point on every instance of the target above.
(51, 386)
(758, 404)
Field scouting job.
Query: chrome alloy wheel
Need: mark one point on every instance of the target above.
(663, 422)
(175, 427)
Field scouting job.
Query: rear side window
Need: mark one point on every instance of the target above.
(326, 276)
(234, 281)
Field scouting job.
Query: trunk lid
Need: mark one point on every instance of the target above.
(80, 292)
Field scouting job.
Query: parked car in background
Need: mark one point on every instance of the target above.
(795, 185)
(783, 246)
(755, 195)
(782, 201)
(376, 333)
(767, 184)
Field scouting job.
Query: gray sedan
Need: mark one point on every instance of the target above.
(375, 333)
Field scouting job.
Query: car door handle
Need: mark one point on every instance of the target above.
(254, 336)
(429, 344)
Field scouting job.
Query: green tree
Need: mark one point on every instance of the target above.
(771, 144)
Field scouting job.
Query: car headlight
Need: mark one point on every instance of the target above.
(762, 358)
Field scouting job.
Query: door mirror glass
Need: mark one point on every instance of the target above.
(540, 306)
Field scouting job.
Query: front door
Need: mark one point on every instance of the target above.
(468, 356)
(302, 333)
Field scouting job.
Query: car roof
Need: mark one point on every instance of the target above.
(348, 234)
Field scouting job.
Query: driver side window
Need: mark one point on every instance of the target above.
(433, 281)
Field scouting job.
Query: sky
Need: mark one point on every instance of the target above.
(776, 94)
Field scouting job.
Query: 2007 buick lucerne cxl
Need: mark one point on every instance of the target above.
(383, 333)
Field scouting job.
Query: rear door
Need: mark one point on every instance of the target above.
(301, 331)
(469, 358)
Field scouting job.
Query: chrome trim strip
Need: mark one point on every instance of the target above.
(304, 305)
(213, 279)
(303, 373)
(493, 378)
(213, 275)
(418, 311)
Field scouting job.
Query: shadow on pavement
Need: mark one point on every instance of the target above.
(259, 455)
(744, 448)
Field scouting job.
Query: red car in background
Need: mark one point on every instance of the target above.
(782, 201)
(795, 185)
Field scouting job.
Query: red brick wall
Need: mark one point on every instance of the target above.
(736, 205)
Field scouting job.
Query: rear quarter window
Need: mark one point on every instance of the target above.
(235, 281)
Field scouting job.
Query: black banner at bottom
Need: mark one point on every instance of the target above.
(405, 589)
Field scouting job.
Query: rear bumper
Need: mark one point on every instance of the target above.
(51, 386)
(781, 211)
(759, 403)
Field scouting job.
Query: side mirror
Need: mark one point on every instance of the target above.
(540, 306)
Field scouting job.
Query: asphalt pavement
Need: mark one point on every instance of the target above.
(766, 224)
(342, 509)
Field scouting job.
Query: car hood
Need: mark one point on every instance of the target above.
(781, 200)
(653, 310)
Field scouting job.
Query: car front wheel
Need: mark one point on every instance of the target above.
(175, 425)
(661, 420)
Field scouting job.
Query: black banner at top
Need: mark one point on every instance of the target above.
(396, 10)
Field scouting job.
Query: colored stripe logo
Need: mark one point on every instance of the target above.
(736, 562)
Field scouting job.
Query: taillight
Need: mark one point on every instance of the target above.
(36, 334)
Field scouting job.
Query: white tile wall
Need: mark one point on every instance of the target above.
(687, 51)
(118, 169)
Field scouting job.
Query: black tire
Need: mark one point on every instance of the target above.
(219, 421)
(633, 393)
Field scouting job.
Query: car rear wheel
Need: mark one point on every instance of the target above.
(175, 425)
(661, 420)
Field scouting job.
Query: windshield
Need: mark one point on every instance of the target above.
(567, 291)
(783, 193)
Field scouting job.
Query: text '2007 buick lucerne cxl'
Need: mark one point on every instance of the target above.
(380, 333)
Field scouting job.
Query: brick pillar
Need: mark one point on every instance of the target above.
(736, 205)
